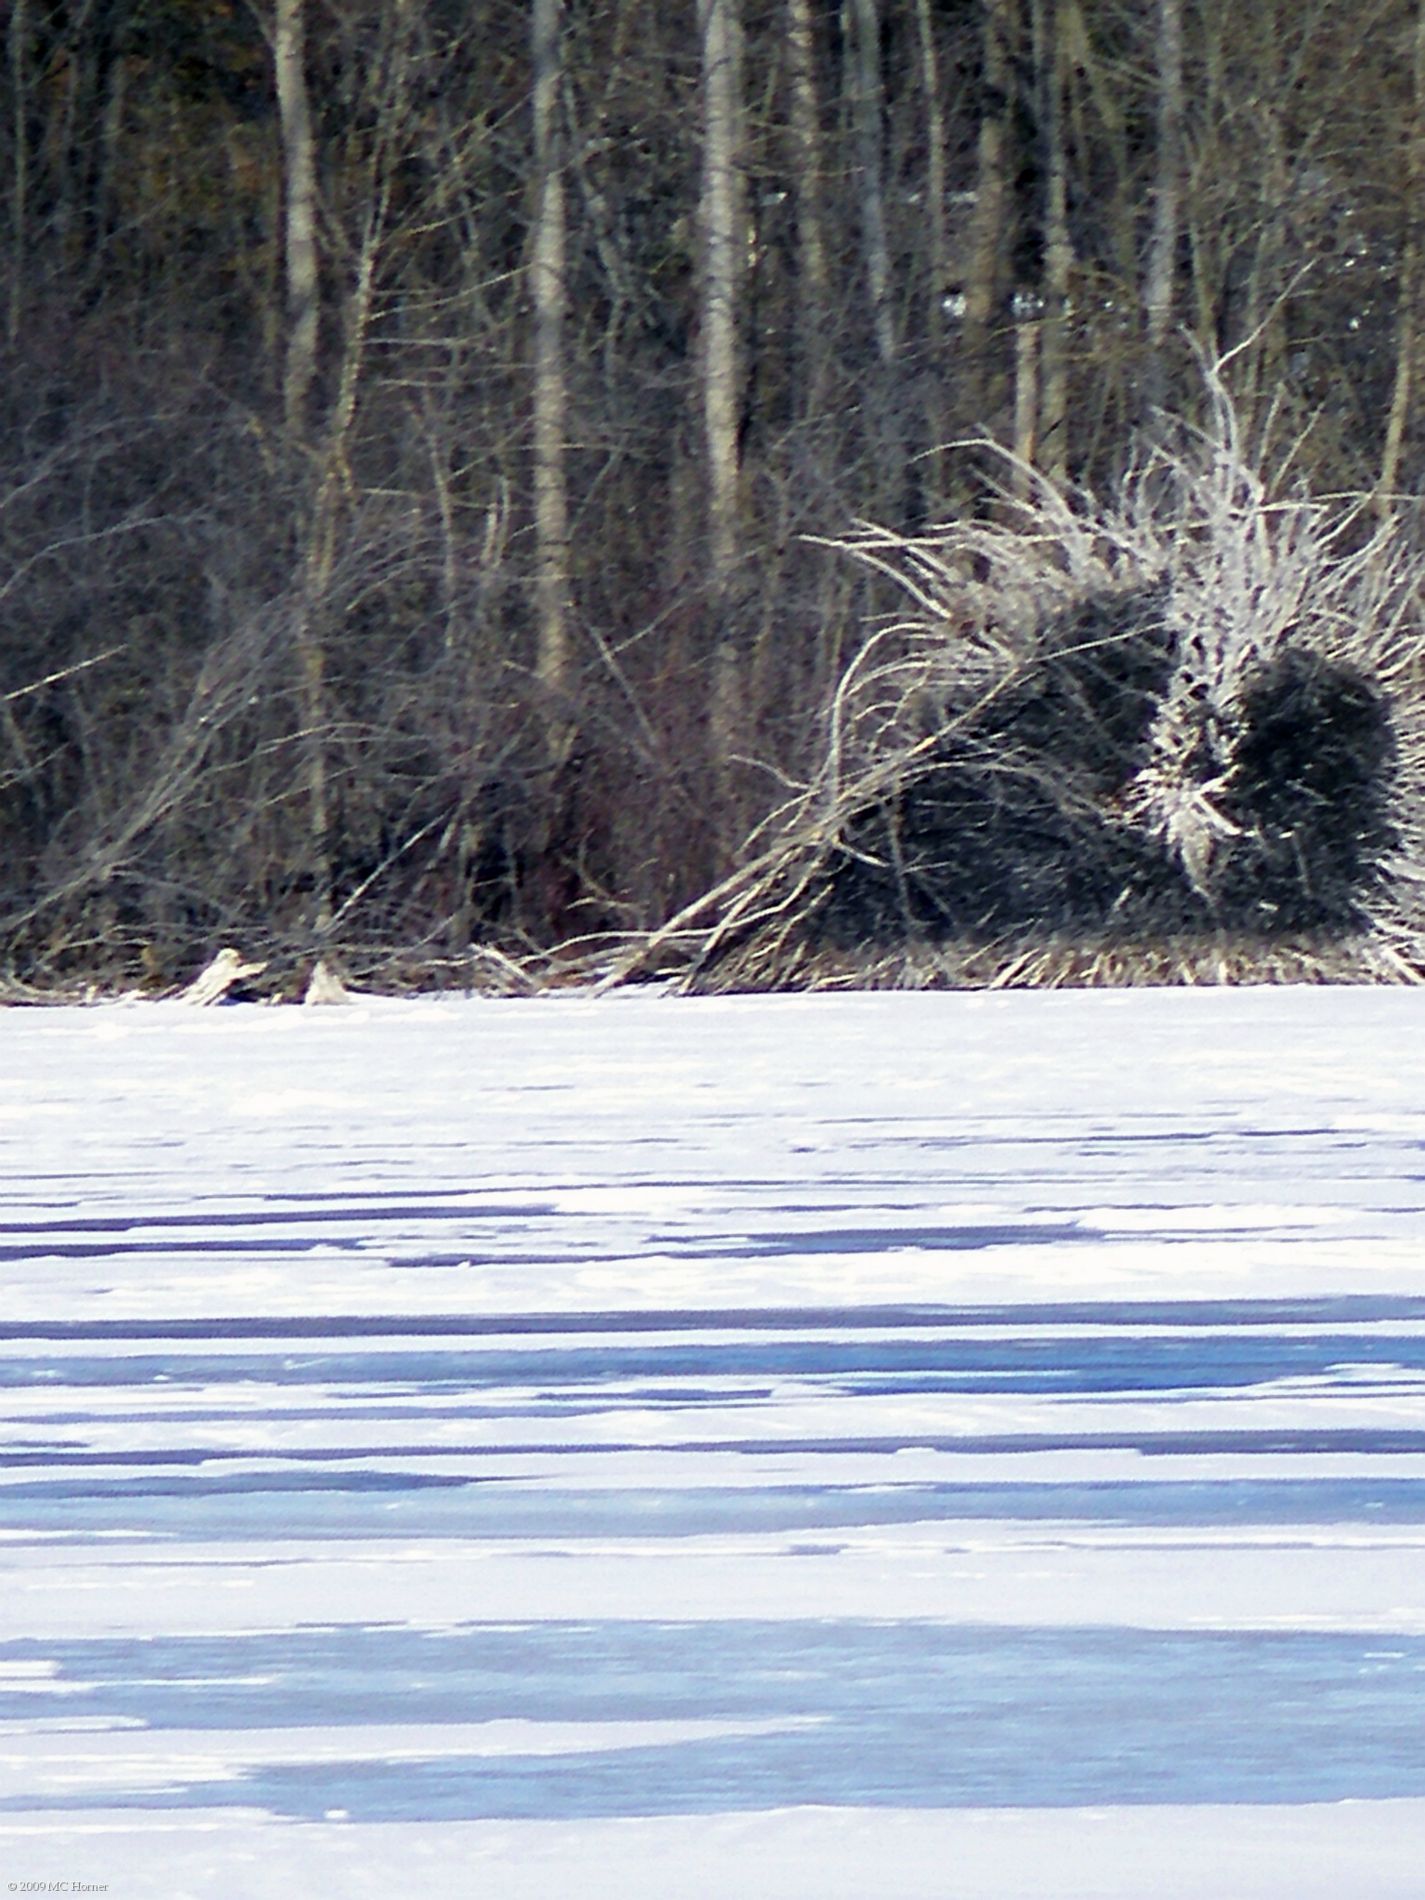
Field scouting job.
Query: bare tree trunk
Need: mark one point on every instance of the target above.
(1404, 401)
(720, 30)
(989, 224)
(812, 288)
(547, 285)
(1167, 199)
(1253, 327)
(1051, 63)
(896, 489)
(936, 175)
(721, 389)
(298, 382)
(1204, 240)
(869, 175)
(937, 234)
(300, 215)
(1028, 329)
(19, 55)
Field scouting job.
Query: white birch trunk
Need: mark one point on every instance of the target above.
(721, 392)
(723, 252)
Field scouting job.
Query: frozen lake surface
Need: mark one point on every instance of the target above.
(870, 1446)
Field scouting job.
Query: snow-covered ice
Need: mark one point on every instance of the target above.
(876, 1446)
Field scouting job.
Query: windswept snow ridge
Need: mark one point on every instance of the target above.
(880, 1446)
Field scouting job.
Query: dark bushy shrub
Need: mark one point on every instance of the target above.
(1176, 739)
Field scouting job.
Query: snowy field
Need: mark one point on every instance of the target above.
(861, 1448)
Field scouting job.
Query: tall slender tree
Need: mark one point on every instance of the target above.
(988, 235)
(299, 379)
(299, 171)
(1409, 336)
(1050, 22)
(548, 295)
(18, 54)
(1161, 268)
(808, 188)
(866, 112)
(721, 274)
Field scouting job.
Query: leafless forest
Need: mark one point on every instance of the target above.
(434, 433)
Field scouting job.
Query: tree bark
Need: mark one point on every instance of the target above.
(1051, 63)
(721, 113)
(870, 177)
(989, 223)
(1028, 343)
(19, 57)
(812, 286)
(720, 29)
(300, 217)
(937, 241)
(551, 398)
(936, 176)
(298, 382)
(1404, 401)
(1167, 200)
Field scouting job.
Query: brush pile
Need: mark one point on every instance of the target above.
(1181, 739)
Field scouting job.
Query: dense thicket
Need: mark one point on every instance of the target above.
(1176, 736)
(421, 424)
